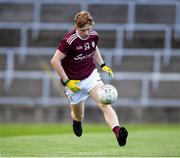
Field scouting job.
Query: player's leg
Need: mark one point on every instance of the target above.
(110, 117)
(77, 114)
(109, 113)
(77, 109)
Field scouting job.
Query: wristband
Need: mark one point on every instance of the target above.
(102, 65)
(66, 81)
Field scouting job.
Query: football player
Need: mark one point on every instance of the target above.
(74, 63)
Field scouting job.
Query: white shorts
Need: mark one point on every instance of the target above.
(85, 85)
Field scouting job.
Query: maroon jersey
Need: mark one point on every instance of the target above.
(78, 63)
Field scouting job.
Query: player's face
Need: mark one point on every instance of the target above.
(84, 33)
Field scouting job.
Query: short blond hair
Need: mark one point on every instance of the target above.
(83, 18)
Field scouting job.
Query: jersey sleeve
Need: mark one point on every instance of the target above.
(63, 47)
(96, 36)
(97, 39)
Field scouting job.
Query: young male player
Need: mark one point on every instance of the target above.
(74, 62)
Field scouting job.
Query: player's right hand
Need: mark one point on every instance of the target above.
(72, 85)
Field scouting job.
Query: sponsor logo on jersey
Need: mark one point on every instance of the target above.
(81, 56)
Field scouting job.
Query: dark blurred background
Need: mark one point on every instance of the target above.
(139, 39)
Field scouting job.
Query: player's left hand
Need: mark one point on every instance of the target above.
(108, 70)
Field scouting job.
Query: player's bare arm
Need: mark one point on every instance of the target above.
(56, 63)
(97, 56)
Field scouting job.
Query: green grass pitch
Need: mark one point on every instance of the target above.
(57, 140)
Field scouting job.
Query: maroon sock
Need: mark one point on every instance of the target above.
(116, 130)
